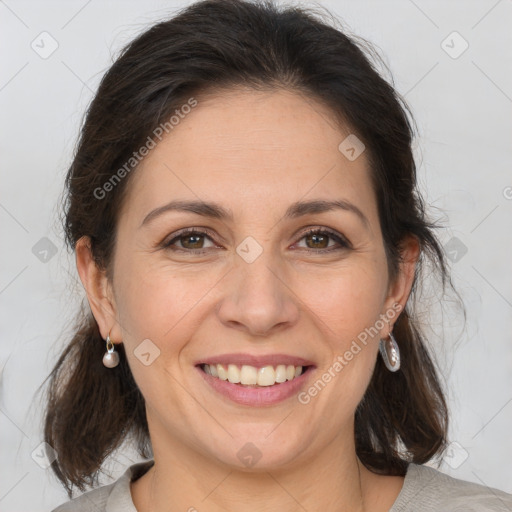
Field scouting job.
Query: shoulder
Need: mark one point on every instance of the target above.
(114, 497)
(428, 489)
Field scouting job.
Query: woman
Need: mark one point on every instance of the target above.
(246, 223)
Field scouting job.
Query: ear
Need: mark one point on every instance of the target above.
(400, 287)
(98, 289)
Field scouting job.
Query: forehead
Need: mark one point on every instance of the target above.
(251, 150)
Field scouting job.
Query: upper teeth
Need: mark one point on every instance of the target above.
(250, 375)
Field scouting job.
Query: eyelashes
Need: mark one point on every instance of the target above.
(188, 233)
(194, 236)
(324, 233)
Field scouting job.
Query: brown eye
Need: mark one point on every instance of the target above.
(192, 241)
(318, 240)
(189, 241)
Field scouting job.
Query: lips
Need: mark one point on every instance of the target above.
(256, 361)
(256, 380)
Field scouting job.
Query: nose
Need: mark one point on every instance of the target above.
(257, 298)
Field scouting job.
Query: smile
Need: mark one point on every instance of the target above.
(247, 375)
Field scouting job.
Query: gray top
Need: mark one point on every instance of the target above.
(425, 489)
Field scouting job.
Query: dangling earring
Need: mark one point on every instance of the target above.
(111, 357)
(390, 353)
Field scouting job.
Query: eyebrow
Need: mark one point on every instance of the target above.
(295, 210)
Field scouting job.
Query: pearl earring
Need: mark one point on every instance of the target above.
(111, 357)
(390, 353)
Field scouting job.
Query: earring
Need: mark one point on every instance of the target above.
(111, 357)
(390, 353)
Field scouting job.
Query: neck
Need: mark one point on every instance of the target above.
(332, 479)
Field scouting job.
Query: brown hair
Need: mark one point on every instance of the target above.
(216, 44)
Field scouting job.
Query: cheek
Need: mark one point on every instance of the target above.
(346, 300)
(155, 305)
(348, 304)
(162, 303)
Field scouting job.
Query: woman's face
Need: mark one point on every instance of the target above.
(257, 290)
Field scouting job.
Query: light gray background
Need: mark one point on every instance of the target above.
(463, 109)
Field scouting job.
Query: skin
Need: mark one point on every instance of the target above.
(254, 153)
